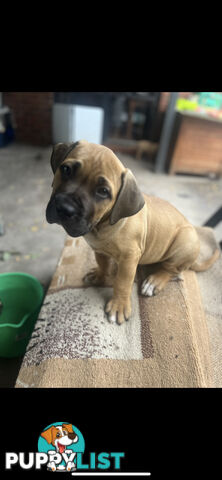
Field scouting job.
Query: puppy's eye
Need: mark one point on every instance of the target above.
(58, 435)
(66, 170)
(65, 433)
(102, 192)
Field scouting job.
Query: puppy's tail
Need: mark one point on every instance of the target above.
(197, 267)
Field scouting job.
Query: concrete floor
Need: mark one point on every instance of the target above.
(31, 245)
(25, 184)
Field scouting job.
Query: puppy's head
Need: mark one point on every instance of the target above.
(90, 185)
(60, 436)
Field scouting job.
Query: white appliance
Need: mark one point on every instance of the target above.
(76, 122)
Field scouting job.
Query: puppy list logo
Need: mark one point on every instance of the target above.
(61, 442)
(60, 448)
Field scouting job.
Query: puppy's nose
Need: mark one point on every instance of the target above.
(64, 205)
(71, 435)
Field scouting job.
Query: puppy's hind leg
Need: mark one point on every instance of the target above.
(97, 275)
(181, 255)
(155, 282)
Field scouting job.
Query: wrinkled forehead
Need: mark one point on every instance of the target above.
(96, 160)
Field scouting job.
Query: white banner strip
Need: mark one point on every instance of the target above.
(120, 474)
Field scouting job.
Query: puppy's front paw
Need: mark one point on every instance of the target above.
(94, 277)
(70, 467)
(51, 466)
(118, 310)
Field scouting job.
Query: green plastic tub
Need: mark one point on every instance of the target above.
(21, 297)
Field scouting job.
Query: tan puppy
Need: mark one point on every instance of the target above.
(96, 196)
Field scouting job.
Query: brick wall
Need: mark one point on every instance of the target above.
(32, 114)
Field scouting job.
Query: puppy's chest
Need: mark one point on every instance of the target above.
(100, 246)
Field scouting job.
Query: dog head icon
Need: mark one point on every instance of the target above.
(60, 436)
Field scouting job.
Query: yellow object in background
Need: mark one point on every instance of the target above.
(184, 104)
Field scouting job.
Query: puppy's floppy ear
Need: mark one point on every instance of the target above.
(68, 426)
(48, 434)
(60, 152)
(129, 200)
